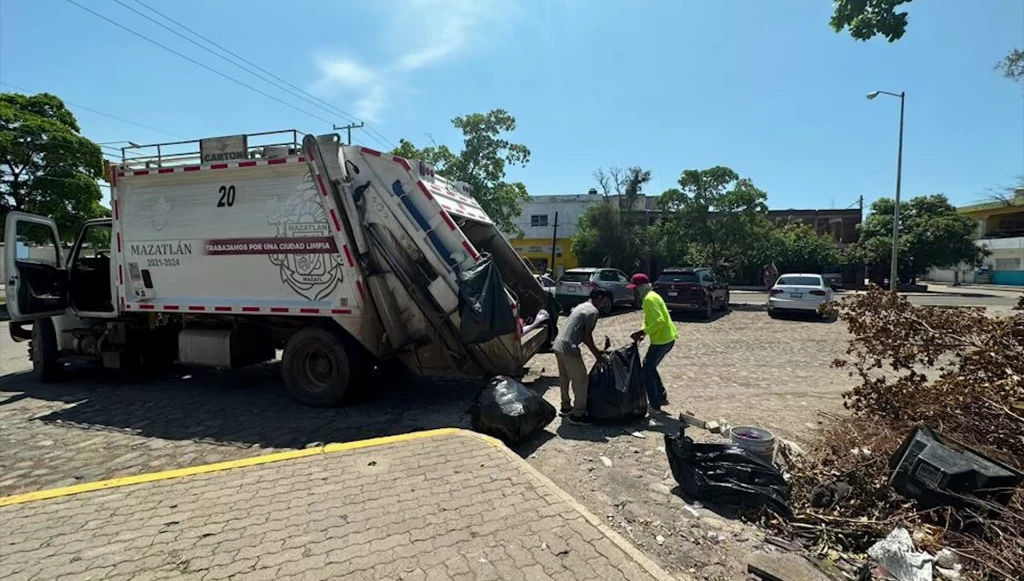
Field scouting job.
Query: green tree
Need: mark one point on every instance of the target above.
(865, 19)
(716, 218)
(797, 247)
(482, 163)
(46, 166)
(932, 235)
(614, 233)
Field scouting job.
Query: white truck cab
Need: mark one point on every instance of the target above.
(221, 251)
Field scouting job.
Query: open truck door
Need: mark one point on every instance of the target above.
(34, 273)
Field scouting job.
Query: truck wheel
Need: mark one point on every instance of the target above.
(46, 364)
(316, 367)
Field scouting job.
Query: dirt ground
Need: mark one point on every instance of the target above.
(741, 366)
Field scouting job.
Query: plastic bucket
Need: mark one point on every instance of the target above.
(758, 441)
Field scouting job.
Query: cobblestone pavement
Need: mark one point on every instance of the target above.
(447, 507)
(741, 366)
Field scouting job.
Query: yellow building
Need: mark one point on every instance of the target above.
(537, 253)
(547, 218)
(1000, 229)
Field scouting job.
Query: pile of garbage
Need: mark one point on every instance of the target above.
(924, 478)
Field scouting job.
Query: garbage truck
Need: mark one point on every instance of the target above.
(221, 252)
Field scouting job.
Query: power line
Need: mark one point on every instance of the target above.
(195, 62)
(292, 89)
(84, 108)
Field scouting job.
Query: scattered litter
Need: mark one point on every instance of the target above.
(371, 463)
(829, 494)
(661, 449)
(691, 420)
(510, 411)
(897, 554)
(607, 461)
(638, 435)
(937, 471)
(946, 559)
(713, 427)
(660, 539)
(727, 475)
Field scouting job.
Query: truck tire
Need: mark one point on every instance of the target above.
(46, 364)
(316, 367)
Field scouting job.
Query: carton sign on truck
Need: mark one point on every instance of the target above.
(344, 257)
(230, 148)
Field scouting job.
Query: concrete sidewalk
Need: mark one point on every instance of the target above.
(445, 505)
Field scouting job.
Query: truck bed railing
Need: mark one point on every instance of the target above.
(263, 145)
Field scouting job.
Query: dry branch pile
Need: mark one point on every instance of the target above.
(957, 370)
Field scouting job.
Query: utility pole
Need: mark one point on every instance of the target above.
(349, 129)
(554, 241)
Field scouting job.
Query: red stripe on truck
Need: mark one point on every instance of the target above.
(165, 170)
(334, 218)
(369, 151)
(341, 311)
(425, 190)
(448, 219)
(402, 162)
(196, 308)
(247, 164)
(219, 166)
(222, 309)
(469, 248)
(119, 242)
(192, 168)
(348, 255)
(146, 307)
(250, 309)
(323, 186)
(278, 309)
(276, 161)
(309, 311)
(120, 274)
(116, 212)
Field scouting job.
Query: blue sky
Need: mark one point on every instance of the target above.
(764, 87)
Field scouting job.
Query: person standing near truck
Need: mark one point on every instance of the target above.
(660, 329)
(578, 328)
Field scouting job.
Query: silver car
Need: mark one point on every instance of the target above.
(574, 287)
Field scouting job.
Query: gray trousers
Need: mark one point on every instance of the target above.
(572, 371)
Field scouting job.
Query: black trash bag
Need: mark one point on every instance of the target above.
(726, 475)
(615, 390)
(483, 305)
(510, 411)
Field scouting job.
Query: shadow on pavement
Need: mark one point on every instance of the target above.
(247, 407)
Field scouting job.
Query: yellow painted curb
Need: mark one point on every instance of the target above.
(230, 465)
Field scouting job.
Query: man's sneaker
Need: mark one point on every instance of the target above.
(579, 420)
(664, 402)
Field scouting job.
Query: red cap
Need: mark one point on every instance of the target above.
(637, 280)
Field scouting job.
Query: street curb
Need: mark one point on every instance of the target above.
(51, 493)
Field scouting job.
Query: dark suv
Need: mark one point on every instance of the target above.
(693, 289)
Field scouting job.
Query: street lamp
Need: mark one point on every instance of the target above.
(893, 280)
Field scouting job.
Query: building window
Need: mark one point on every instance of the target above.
(539, 220)
(1007, 264)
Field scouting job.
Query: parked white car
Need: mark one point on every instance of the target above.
(798, 293)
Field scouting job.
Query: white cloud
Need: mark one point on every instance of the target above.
(421, 34)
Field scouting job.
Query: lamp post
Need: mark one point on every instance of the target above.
(893, 280)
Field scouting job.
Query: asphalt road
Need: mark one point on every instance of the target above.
(937, 295)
